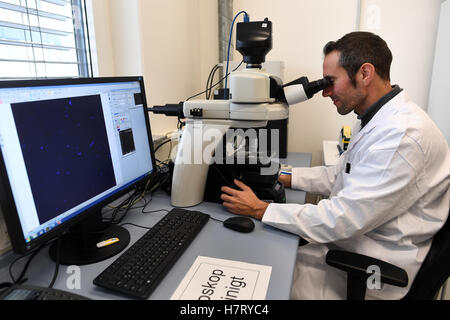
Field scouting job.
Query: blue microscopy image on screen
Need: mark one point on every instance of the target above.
(66, 151)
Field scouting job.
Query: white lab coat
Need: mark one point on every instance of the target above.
(395, 198)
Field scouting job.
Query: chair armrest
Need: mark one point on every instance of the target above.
(356, 264)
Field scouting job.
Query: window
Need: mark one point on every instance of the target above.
(43, 39)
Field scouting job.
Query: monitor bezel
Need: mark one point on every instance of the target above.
(7, 203)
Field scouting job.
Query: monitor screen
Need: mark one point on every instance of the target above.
(67, 146)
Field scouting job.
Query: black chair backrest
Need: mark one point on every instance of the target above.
(435, 270)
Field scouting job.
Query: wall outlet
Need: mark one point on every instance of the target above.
(5, 243)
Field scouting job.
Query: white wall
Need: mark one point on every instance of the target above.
(410, 29)
(173, 44)
(439, 102)
(127, 37)
(117, 37)
(103, 38)
(180, 46)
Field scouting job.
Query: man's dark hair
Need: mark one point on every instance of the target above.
(357, 48)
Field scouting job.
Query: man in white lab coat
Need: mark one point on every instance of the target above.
(389, 194)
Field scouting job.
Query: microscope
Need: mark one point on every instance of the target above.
(242, 135)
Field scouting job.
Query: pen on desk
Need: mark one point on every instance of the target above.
(286, 173)
(107, 242)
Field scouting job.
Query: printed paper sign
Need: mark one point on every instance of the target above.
(219, 279)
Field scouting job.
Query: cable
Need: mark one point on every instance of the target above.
(180, 123)
(126, 205)
(134, 198)
(153, 211)
(216, 82)
(25, 268)
(5, 285)
(443, 291)
(136, 225)
(170, 150)
(163, 143)
(57, 263)
(32, 254)
(120, 205)
(138, 195)
(214, 219)
(210, 80)
(246, 19)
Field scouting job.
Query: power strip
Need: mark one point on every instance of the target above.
(5, 243)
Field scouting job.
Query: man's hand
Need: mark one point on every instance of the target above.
(286, 180)
(244, 201)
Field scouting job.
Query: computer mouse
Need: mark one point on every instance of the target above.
(241, 224)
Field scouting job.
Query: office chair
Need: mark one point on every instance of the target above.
(434, 271)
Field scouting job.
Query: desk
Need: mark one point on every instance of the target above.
(265, 245)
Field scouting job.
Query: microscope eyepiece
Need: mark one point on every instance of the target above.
(315, 86)
(302, 89)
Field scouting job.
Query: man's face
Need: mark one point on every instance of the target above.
(345, 96)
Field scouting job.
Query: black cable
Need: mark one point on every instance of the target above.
(163, 143)
(217, 220)
(125, 205)
(211, 83)
(57, 263)
(216, 83)
(32, 254)
(153, 211)
(115, 211)
(210, 80)
(163, 164)
(25, 268)
(214, 219)
(136, 225)
(170, 150)
(4, 286)
(180, 124)
(128, 203)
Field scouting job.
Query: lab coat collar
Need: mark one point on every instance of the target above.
(400, 98)
(367, 115)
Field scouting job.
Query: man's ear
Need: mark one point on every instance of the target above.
(367, 73)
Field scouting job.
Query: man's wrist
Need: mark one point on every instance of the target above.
(286, 180)
(261, 210)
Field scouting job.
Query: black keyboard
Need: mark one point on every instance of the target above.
(139, 270)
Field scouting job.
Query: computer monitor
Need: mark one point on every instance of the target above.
(69, 147)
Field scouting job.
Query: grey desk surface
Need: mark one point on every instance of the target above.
(265, 246)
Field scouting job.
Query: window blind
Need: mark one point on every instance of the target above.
(43, 39)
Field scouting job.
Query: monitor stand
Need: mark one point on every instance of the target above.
(79, 245)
